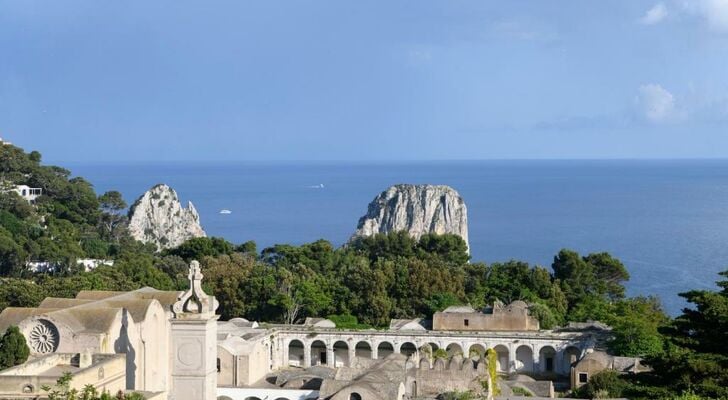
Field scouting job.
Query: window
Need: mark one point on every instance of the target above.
(355, 396)
(218, 365)
(467, 322)
(549, 364)
(583, 377)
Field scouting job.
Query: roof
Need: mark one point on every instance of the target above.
(92, 311)
(61, 302)
(459, 309)
(235, 345)
(383, 378)
(13, 316)
(417, 324)
(97, 294)
(319, 322)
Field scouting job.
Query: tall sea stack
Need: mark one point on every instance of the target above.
(158, 217)
(417, 209)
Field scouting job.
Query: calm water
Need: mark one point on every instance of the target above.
(667, 220)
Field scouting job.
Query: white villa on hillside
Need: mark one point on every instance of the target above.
(27, 192)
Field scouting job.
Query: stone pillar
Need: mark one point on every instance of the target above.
(559, 361)
(330, 360)
(537, 367)
(286, 355)
(511, 358)
(306, 355)
(194, 342)
(352, 354)
(375, 351)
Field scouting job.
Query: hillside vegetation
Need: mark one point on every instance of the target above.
(363, 284)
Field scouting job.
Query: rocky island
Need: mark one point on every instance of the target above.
(416, 209)
(158, 217)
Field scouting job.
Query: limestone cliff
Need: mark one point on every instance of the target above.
(417, 209)
(158, 217)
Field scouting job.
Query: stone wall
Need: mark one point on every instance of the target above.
(106, 373)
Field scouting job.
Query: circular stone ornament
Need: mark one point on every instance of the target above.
(44, 337)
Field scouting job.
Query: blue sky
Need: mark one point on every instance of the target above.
(375, 80)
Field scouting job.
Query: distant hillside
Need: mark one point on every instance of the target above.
(67, 222)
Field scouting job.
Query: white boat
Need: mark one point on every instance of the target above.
(225, 212)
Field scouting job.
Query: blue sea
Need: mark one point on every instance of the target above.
(666, 220)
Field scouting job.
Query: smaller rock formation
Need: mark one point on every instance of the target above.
(416, 209)
(158, 217)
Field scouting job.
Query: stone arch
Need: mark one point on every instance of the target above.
(547, 359)
(355, 396)
(570, 356)
(318, 353)
(224, 398)
(408, 349)
(363, 349)
(295, 353)
(453, 349)
(28, 388)
(428, 350)
(524, 359)
(282, 398)
(252, 398)
(476, 352)
(341, 354)
(384, 349)
(503, 358)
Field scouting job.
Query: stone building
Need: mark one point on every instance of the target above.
(598, 361)
(28, 193)
(166, 341)
(513, 317)
(106, 372)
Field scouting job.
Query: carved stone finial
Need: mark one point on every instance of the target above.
(195, 300)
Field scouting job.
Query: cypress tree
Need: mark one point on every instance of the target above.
(13, 348)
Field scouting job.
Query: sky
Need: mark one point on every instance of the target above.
(90, 81)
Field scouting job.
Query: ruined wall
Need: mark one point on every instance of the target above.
(515, 320)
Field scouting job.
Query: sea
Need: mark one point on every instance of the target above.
(667, 220)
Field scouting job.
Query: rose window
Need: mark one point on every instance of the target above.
(44, 337)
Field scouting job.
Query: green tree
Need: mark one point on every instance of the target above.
(197, 248)
(607, 382)
(112, 206)
(13, 348)
(440, 301)
(695, 355)
(635, 327)
(451, 248)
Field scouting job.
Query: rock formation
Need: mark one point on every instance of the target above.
(158, 217)
(417, 209)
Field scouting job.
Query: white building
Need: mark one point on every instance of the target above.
(167, 338)
(27, 192)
